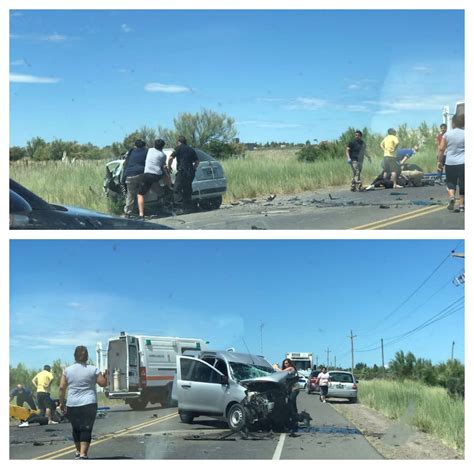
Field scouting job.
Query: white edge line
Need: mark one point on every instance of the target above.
(279, 448)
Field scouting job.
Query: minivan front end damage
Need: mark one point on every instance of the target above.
(266, 402)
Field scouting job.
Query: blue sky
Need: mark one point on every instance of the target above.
(309, 294)
(282, 75)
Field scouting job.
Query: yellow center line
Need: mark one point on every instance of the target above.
(102, 439)
(400, 218)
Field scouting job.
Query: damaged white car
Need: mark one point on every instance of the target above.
(240, 388)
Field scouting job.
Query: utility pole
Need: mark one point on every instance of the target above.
(317, 361)
(327, 361)
(335, 366)
(383, 361)
(452, 351)
(352, 350)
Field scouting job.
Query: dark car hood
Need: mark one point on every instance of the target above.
(279, 379)
(105, 221)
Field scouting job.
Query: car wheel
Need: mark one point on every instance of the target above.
(186, 417)
(137, 404)
(352, 400)
(236, 417)
(308, 391)
(211, 204)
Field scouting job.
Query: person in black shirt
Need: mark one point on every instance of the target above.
(355, 157)
(133, 174)
(187, 163)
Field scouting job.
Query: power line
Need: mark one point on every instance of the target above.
(445, 312)
(414, 309)
(423, 283)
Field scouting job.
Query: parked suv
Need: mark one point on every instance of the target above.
(239, 388)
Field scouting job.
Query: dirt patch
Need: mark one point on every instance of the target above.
(394, 439)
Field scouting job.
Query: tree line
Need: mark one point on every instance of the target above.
(449, 374)
(206, 130)
(216, 134)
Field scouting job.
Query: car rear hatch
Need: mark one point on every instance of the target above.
(209, 179)
(342, 385)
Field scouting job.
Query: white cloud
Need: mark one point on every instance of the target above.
(269, 125)
(18, 62)
(126, 28)
(355, 108)
(307, 103)
(423, 69)
(54, 37)
(353, 86)
(413, 103)
(162, 88)
(17, 78)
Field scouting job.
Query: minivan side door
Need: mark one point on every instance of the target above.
(199, 387)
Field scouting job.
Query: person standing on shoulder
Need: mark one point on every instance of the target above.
(80, 380)
(355, 156)
(452, 150)
(42, 381)
(187, 163)
(133, 174)
(439, 139)
(155, 169)
(323, 380)
(389, 146)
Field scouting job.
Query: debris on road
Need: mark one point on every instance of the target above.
(271, 197)
(384, 206)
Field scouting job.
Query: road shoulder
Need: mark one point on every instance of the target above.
(393, 439)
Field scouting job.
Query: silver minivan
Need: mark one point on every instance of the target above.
(237, 387)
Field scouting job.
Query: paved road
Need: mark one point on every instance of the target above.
(402, 209)
(158, 434)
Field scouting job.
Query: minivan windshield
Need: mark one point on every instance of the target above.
(241, 371)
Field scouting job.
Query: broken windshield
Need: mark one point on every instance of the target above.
(242, 371)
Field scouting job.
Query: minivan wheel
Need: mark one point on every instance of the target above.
(236, 417)
(352, 400)
(186, 417)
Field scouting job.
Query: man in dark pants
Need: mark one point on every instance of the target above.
(355, 157)
(133, 174)
(23, 395)
(187, 163)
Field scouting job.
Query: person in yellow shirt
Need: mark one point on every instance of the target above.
(42, 381)
(389, 146)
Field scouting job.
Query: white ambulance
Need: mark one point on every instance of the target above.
(142, 368)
